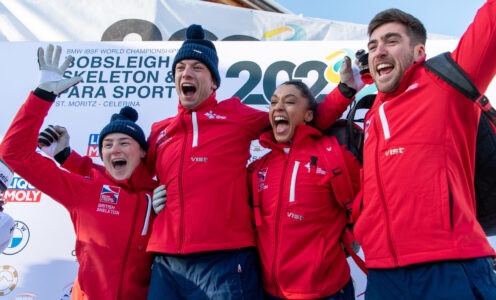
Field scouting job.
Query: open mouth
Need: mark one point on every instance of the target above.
(119, 163)
(281, 124)
(188, 89)
(384, 69)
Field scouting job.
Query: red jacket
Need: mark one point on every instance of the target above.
(301, 221)
(201, 155)
(111, 218)
(419, 157)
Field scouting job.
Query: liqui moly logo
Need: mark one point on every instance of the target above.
(92, 150)
(21, 191)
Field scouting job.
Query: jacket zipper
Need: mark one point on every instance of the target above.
(387, 135)
(180, 186)
(194, 123)
(278, 221)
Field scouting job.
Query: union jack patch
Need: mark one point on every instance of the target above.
(110, 194)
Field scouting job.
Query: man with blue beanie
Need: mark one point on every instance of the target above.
(204, 238)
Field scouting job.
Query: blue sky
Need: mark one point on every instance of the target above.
(447, 17)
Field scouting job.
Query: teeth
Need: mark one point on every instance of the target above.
(383, 66)
(279, 119)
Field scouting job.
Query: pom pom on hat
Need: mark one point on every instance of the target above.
(197, 47)
(195, 32)
(124, 122)
(126, 112)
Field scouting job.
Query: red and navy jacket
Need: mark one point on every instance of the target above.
(419, 159)
(112, 219)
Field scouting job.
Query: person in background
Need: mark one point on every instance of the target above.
(300, 220)
(110, 210)
(204, 237)
(417, 227)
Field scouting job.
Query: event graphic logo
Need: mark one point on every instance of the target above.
(92, 150)
(335, 60)
(21, 191)
(8, 279)
(296, 33)
(316, 73)
(19, 240)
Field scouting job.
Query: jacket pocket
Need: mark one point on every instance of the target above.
(446, 202)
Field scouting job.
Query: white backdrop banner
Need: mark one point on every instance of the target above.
(161, 20)
(40, 261)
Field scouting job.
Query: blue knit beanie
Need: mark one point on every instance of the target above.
(197, 47)
(124, 122)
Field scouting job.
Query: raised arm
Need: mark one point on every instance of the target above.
(18, 148)
(338, 100)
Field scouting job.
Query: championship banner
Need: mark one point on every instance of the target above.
(40, 262)
(163, 20)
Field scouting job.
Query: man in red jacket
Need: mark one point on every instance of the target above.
(418, 227)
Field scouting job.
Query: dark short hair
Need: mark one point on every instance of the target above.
(414, 28)
(306, 93)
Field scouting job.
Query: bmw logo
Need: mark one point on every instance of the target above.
(19, 240)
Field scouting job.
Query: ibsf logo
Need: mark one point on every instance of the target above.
(21, 191)
(92, 150)
(19, 240)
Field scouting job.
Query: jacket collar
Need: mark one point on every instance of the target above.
(302, 136)
(210, 102)
(141, 179)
